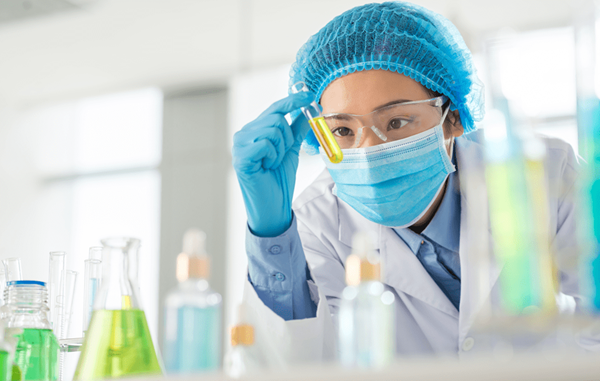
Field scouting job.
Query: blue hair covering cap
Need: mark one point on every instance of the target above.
(399, 37)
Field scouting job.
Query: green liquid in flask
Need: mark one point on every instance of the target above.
(16, 374)
(117, 343)
(5, 366)
(37, 354)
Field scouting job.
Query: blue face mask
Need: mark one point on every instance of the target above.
(394, 184)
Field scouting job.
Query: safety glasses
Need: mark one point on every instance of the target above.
(394, 122)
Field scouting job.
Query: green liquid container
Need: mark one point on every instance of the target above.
(37, 350)
(5, 366)
(512, 220)
(16, 374)
(117, 342)
(37, 354)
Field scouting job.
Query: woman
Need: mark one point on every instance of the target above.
(399, 90)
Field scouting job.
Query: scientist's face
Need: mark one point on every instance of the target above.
(363, 92)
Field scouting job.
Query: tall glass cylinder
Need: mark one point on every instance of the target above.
(95, 253)
(118, 342)
(69, 295)
(511, 218)
(55, 289)
(91, 285)
(3, 281)
(12, 269)
(588, 126)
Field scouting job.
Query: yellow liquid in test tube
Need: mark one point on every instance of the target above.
(320, 127)
(326, 139)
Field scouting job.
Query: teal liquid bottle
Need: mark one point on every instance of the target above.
(37, 349)
(367, 330)
(192, 342)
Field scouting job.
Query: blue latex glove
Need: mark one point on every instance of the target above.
(265, 159)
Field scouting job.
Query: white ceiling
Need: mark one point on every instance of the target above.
(116, 44)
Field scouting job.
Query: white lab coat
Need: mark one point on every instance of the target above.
(427, 322)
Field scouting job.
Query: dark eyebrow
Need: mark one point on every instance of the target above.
(398, 101)
(339, 117)
(344, 116)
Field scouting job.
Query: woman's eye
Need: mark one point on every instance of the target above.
(397, 123)
(342, 131)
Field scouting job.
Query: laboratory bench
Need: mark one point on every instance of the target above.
(548, 367)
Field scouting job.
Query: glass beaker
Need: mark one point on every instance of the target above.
(37, 348)
(117, 342)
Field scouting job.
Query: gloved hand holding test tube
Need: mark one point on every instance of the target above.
(319, 127)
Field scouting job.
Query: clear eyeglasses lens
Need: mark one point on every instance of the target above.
(388, 124)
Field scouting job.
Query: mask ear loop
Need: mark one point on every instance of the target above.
(442, 125)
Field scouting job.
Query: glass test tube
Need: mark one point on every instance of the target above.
(12, 268)
(587, 35)
(2, 283)
(70, 282)
(96, 253)
(319, 127)
(91, 285)
(534, 153)
(511, 218)
(55, 289)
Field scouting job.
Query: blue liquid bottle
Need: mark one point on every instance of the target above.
(367, 331)
(192, 341)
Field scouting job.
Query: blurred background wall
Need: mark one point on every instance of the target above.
(116, 116)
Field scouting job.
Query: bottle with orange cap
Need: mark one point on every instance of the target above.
(367, 336)
(192, 341)
(243, 357)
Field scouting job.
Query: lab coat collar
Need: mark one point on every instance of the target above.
(408, 274)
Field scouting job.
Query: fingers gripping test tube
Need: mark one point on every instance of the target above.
(319, 127)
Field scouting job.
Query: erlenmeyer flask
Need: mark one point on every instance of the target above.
(117, 342)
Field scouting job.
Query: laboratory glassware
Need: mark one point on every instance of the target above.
(367, 336)
(6, 363)
(511, 219)
(243, 357)
(70, 283)
(192, 312)
(133, 260)
(95, 253)
(319, 126)
(91, 285)
(534, 153)
(3, 281)
(117, 342)
(587, 32)
(12, 269)
(37, 349)
(56, 285)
